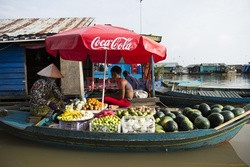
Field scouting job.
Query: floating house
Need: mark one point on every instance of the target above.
(212, 67)
(170, 68)
(206, 68)
(246, 68)
(23, 54)
(193, 68)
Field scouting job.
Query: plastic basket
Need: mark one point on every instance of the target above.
(138, 124)
(105, 128)
(74, 125)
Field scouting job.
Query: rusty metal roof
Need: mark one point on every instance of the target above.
(34, 29)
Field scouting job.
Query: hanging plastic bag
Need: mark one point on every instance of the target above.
(140, 94)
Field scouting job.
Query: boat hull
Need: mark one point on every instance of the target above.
(125, 142)
(187, 100)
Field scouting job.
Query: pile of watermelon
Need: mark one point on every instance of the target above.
(200, 116)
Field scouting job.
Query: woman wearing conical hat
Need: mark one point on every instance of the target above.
(45, 94)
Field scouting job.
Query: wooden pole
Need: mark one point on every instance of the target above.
(104, 78)
(153, 76)
(232, 120)
(81, 80)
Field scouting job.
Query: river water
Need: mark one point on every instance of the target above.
(216, 80)
(15, 152)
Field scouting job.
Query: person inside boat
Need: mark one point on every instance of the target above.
(133, 81)
(124, 95)
(45, 94)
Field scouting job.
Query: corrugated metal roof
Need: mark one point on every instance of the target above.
(38, 28)
(169, 64)
(153, 37)
(210, 64)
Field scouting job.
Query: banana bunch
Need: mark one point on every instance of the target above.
(74, 115)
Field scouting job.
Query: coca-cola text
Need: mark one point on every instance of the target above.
(119, 43)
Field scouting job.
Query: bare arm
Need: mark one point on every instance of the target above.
(123, 89)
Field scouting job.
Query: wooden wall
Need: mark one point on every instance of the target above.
(12, 71)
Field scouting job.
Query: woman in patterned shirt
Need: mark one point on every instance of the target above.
(44, 91)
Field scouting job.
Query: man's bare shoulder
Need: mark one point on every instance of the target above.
(123, 81)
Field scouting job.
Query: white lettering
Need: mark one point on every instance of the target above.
(119, 43)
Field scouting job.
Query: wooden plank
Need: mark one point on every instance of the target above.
(210, 93)
(205, 93)
(12, 70)
(12, 75)
(231, 94)
(223, 94)
(11, 59)
(16, 94)
(200, 93)
(232, 120)
(143, 104)
(11, 65)
(11, 95)
(12, 87)
(140, 100)
(235, 94)
(12, 81)
(217, 94)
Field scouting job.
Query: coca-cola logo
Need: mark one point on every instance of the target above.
(119, 43)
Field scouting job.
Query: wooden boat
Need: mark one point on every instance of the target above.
(183, 96)
(181, 83)
(15, 124)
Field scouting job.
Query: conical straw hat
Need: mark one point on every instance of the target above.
(50, 71)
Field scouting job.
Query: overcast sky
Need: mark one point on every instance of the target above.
(194, 31)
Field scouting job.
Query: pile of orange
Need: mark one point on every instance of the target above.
(92, 104)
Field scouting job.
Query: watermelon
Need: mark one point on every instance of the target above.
(215, 119)
(196, 106)
(176, 113)
(165, 110)
(216, 110)
(194, 115)
(171, 115)
(170, 126)
(186, 125)
(217, 106)
(238, 111)
(228, 107)
(185, 110)
(202, 122)
(205, 109)
(160, 114)
(180, 118)
(228, 115)
(165, 119)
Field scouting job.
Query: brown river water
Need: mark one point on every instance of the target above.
(15, 152)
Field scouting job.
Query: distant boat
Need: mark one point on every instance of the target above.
(195, 83)
(183, 97)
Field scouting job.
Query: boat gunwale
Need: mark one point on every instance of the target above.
(170, 135)
(34, 133)
(130, 144)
